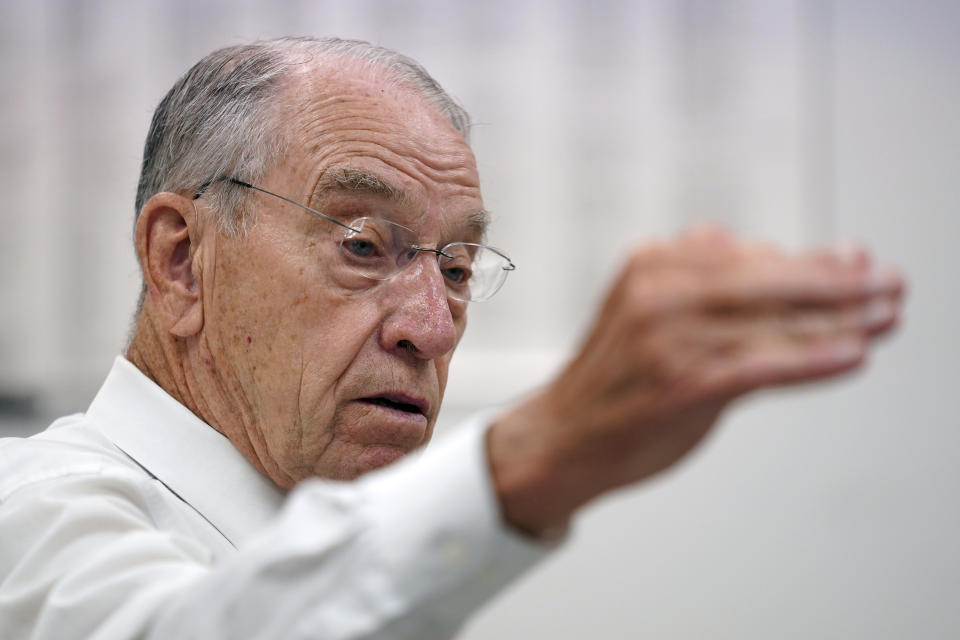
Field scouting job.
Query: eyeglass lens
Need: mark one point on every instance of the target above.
(379, 249)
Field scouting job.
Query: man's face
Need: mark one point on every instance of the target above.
(325, 372)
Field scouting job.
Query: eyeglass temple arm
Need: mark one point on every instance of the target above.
(509, 266)
(206, 185)
(241, 183)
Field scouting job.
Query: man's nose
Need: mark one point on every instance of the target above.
(421, 321)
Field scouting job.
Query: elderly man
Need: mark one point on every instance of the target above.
(310, 231)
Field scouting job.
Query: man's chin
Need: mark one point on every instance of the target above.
(376, 457)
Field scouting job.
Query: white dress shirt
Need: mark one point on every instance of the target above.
(138, 520)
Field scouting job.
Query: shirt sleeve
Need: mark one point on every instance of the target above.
(406, 552)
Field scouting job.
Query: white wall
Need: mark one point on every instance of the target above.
(828, 512)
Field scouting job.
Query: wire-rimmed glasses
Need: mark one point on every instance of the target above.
(379, 249)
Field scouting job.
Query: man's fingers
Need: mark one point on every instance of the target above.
(870, 318)
(843, 254)
(729, 281)
(745, 353)
(724, 332)
(707, 317)
(783, 363)
(799, 285)
(880, 315)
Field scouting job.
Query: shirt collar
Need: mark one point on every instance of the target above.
(190, 457)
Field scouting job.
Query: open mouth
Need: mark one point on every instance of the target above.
(390, 403)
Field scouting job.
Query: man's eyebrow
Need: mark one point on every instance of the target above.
(363, 182)
(359, 181)
(478, 221)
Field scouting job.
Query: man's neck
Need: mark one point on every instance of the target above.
(170, 363)
(160, 360)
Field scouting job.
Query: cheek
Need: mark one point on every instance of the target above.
(334, 334)
(283, 335)
(442, 364)
(295, 370)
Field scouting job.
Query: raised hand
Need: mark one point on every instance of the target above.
(687, 327)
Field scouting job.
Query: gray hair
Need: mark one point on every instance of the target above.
(217, 120)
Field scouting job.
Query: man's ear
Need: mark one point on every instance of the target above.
(167, 240)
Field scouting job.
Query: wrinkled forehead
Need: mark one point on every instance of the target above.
(341, 97)
(357, 131)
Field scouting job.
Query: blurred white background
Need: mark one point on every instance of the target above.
(829, 512)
